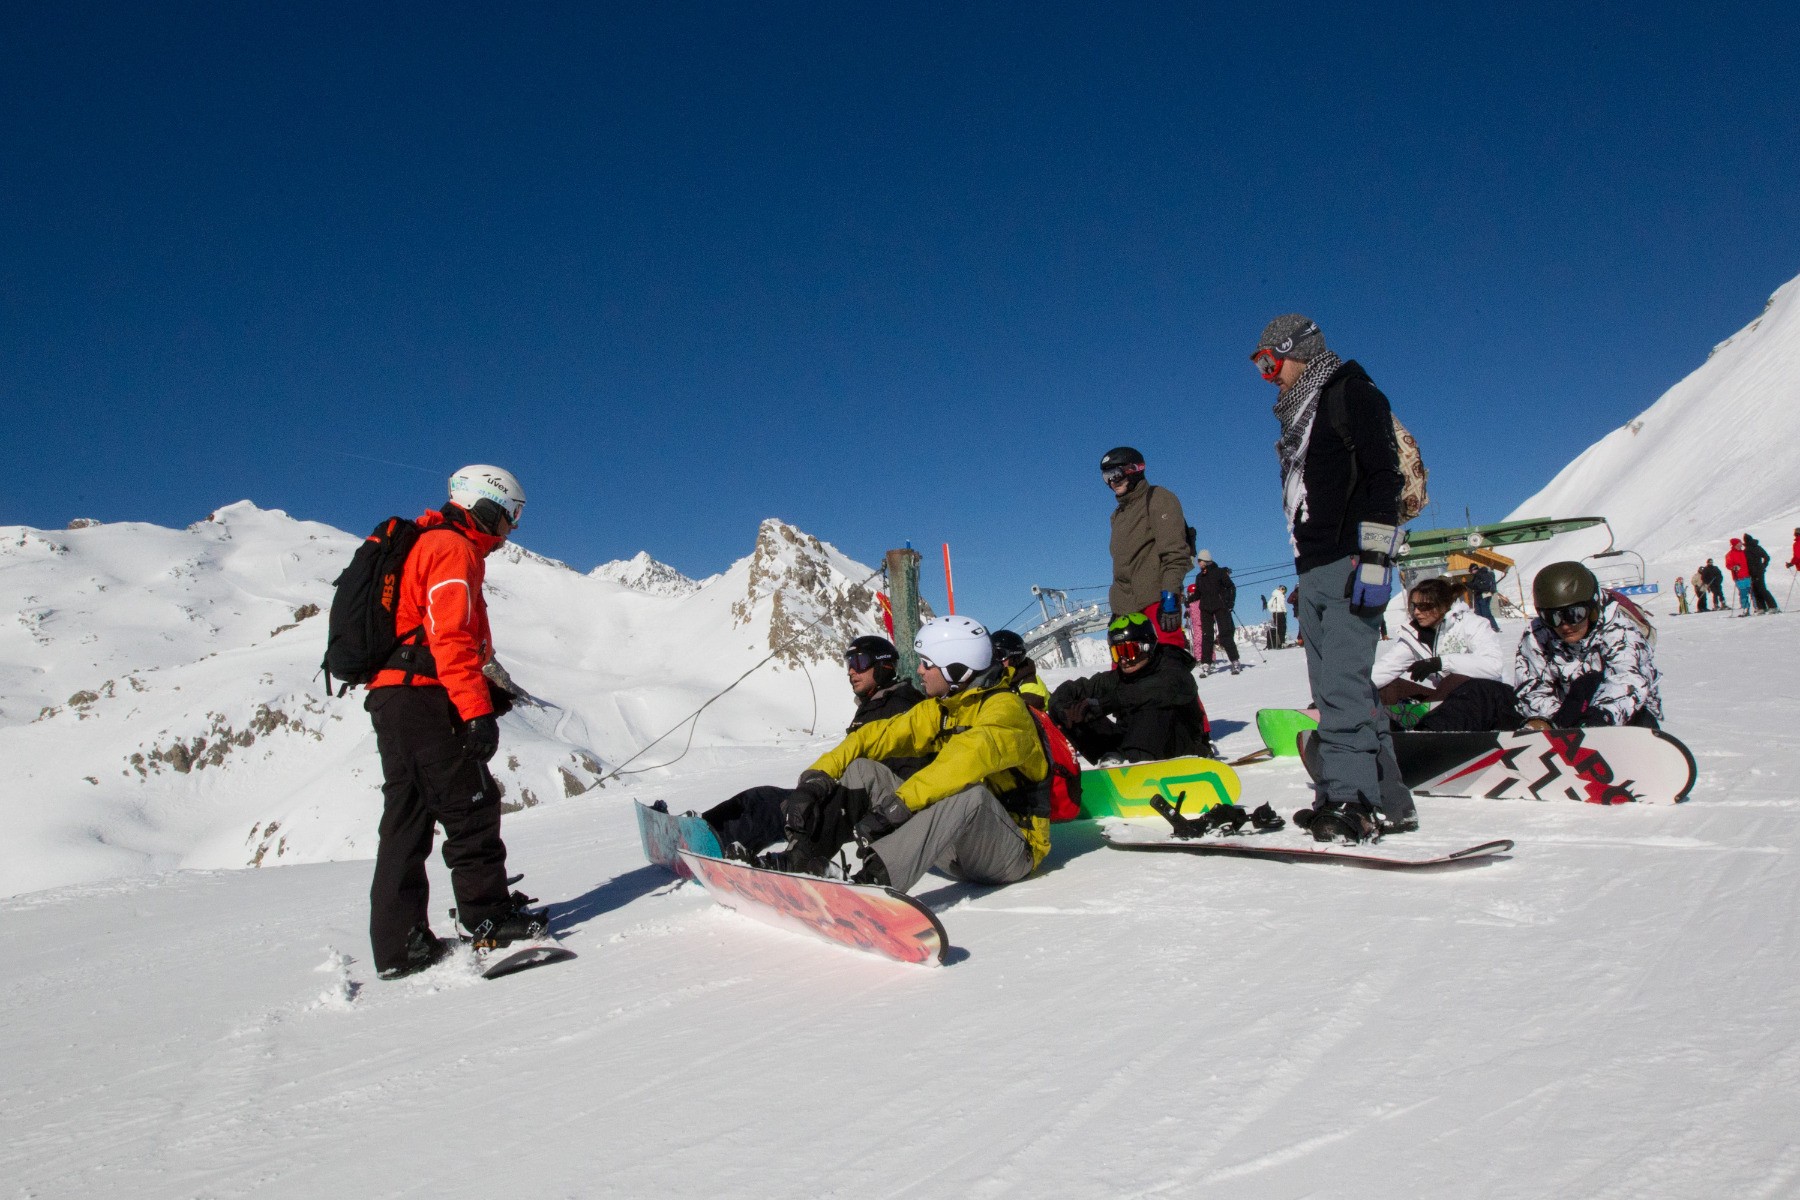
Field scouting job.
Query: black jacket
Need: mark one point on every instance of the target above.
(1755, 557)
(1352, 469)
(1156, 711)
(886, 702)
(1214, 589)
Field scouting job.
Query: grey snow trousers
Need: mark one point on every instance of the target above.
(967, 836)
(1356, 754)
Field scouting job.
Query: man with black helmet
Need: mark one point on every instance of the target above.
(1585, 660)
(1147, 707)
(1022, 676)
(436, 728)
(1341, 485)
(1151, 553)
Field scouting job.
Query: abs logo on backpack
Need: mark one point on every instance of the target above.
(363, 636)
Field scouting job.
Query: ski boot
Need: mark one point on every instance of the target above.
(1237, 668)
(423, 949)
(1407, 824)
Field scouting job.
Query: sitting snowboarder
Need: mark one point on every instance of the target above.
(1022, 673)
(978, 810)
(752, 818)
(1147, 707)
(1443, 672)
(1586, 658)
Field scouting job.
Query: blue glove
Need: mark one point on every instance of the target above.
(1371, 583)
(1168, 618)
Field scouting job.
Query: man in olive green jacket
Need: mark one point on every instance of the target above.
(978, 811)
(1150, 552)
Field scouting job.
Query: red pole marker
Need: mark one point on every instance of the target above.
(949, 583)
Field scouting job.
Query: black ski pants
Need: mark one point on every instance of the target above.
(1278, 636)
(1760, 594)
(429, 780)
(752, 818)
(1216, 622)
(1479, 704)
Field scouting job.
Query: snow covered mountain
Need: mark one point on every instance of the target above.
(641, 573)
(160, 703)
(1717, 455)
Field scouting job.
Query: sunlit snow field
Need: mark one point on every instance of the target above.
(1608, 1011)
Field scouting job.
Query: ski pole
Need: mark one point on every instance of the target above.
(1790, 596)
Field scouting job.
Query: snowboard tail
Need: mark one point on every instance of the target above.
(1609, 765)
(1133, 789)
(666, 834)
(1280, 728)
(865, 917)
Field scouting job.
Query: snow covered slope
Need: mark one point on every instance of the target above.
(160, 705)
(1607, 1012)
(1717, 455)
(642, 573)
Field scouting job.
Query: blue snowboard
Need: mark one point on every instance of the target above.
(665, 833)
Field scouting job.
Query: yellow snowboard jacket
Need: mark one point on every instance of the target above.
(982, 736)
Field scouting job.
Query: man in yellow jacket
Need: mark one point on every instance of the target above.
(978, 811)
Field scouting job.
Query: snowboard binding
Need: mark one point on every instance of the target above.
(1226, 820)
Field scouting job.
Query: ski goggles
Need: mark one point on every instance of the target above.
(861, 660)
(1117, 475)
(1125, 653)
(1268, 364)
(1570, 615)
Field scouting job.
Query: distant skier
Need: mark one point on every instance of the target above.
(1450, 658)
(1341, 493)
(1793, 562)
(1714, 579)
(752, 819)
(1738, 564)
(1482, 586)
(1585, 660)
(1151, 553)
(979, 811)
(1681, 603)
(1147, 707)
(1757, 559)
(435, 726)
(1211, 598)
(1278, 612)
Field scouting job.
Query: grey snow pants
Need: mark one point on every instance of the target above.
(1356, 755)
(967, 836)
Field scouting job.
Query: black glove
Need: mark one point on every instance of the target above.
(1074, 713)
(1424, 667)
(1168, 617)
(815, 784)
(882, 819)
(1595, 717)
(481, 737)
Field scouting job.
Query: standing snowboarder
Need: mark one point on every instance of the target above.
(436, 728)
(1211, 598)
(1151, 553)
(1341, 485)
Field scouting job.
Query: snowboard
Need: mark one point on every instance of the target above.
(1375, 856)
(861, 916)
(665, 833)
(1128, 790)
(1610, 765)
(502, 961)
(1280, 728)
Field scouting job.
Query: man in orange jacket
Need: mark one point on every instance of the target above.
(436, 727)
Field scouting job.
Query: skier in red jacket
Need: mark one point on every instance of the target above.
(1739, 567)
(436, 728)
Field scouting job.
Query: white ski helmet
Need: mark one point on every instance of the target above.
(472, 485)
(958, 646)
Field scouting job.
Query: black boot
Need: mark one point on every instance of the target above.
(516, 923)
(872, 871)
(423, 949)
(800, 858)
(1349, 822)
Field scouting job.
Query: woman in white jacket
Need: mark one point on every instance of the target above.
(1450, 658)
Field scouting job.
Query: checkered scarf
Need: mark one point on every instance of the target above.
(1295, 408)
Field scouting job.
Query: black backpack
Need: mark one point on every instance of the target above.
(362, 638)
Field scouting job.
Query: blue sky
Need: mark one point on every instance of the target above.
(888, 272)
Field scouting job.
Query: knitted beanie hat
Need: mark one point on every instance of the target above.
(1292, 336)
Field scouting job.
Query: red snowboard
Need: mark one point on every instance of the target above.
(861, 916)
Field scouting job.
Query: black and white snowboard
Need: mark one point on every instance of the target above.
(1611, 765)
(1381, 856)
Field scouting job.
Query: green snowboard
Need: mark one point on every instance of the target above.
(1281, 728)
(1127, 791)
